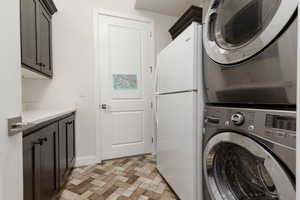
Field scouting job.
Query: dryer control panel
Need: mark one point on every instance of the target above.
(275, 126)
(281, 122)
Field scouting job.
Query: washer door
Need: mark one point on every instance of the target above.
(236, 30)
(238, 168)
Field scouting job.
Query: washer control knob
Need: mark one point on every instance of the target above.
(237, 119)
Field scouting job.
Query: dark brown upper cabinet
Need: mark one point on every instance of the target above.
(36, 35)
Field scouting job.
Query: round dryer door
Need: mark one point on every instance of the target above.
(236, 30)
(238, 168)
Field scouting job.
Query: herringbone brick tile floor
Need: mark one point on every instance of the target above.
(134, 178)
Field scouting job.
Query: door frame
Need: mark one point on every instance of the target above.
(98, 66)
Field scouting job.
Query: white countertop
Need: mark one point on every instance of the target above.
(43, 115)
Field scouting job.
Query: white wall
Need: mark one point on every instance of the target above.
(11, 168)
(73, 56)
(167, 7)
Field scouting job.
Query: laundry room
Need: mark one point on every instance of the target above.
(149, 100)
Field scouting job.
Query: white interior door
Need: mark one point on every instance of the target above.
(126, 57)
(11, 173)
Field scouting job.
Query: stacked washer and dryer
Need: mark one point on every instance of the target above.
(250, 67)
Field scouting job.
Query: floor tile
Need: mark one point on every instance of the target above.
(134, 178)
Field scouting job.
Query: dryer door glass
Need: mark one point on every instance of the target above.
(236, 30)
(238, 168)
(238, 22)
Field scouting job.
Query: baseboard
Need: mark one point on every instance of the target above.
(88, 160)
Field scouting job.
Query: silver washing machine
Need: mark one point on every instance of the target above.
(249, 154)
(250, 52)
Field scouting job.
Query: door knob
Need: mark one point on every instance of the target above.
(104, 106)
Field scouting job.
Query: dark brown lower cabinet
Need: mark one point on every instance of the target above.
(48, 161)
(45, 151)
(66, 147)
(30, 160)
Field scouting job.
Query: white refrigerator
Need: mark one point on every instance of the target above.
(180, 105)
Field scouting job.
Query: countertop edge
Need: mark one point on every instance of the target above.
(45, 121)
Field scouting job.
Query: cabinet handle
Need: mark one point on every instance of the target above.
(41, 64)
(41, 141)
(38, 143)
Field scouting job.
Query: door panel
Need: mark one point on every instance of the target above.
(62, 150)
(71, 142)
(127, 128)
(29, 163)
(44, 41)
(126, 86)
(29, 33)
(126, 60)
(36, 170)
(66, 148)
(48, 167)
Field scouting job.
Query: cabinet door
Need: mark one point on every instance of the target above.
(66, 147)
(29, 10)
(48, 161)
(44, 40)
(31, 167)
(71, 142)
(62, 151)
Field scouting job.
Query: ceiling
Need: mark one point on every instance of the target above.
(167, 7)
